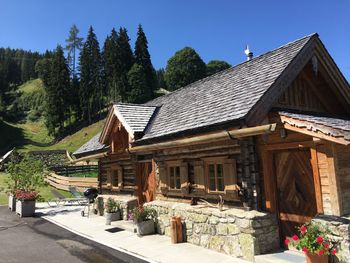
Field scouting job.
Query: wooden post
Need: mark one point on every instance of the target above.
(173, 230)
(179, 235)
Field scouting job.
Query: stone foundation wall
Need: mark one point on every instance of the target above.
(340, 227)
(235, 232)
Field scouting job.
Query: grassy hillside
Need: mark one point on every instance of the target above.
(33, 136)
(31, 86)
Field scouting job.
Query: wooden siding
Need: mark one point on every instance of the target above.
(128, 171)
(342, 168)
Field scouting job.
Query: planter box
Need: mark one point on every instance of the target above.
(25, 208)
(112, 217)
(310, 258)
(145, 228)
(12, 202)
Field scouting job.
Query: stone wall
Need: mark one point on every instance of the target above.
(235, 232)
(340, 228)
(127, 203)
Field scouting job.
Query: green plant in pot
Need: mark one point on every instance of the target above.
(26, 177)
(143, 217)
(314, 239)
(112, 210)
(13, 169)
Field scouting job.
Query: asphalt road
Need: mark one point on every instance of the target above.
(36, 240)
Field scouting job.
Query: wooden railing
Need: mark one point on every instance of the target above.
(64, 182)
(70, 171)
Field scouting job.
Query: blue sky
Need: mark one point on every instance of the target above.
(215, 29)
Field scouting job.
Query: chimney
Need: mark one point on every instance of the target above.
(248, 53)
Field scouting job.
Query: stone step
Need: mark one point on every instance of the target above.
(281, 257)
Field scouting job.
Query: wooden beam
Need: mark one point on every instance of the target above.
(319, 135)
(287, 145)
(317, 180)
(207, 138)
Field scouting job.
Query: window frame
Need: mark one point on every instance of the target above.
(169, 166)
(214, 161)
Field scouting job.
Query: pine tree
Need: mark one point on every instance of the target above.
(91, 90)
(137, 81)
(110, 64)
(57, 93)
(125, 60)
(143, 58)
(74, 44)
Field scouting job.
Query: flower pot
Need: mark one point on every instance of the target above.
(12, 202)
(25, 208)
(112, 217)
(312, 258)
(145, 227)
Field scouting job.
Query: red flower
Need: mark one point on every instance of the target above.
(325, 244)
(319, 239)
(305, 250)
(321, 252)
(295, 237)
(286, 241)
(303, 229)
(333, 252)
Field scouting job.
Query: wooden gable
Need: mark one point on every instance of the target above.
(311, 92)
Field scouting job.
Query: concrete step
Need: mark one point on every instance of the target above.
(281, 257)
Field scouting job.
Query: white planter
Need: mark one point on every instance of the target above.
(25, 208)
(112, 217)
(145, 228)
(12, 202)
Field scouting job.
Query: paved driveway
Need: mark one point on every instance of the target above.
(37, 240)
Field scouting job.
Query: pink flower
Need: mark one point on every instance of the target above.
(305, 250)
(295, 237)
(333, 252)
(286, 241)
(319, 239)
(303, 229)
(321, 252)
(325, 244)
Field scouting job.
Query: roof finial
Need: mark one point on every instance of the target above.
(248, 53)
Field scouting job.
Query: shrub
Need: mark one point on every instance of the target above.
(112, 206)
(141, 213)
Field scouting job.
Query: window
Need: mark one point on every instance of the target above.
(174, 177)
(115, 177)
(216, 177)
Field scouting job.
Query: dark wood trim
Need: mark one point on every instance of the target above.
(317, 180)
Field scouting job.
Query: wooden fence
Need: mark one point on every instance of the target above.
(64, 182)
(69, 171)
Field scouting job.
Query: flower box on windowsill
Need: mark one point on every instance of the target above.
(25, 208)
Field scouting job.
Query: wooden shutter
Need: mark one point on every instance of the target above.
(199, 177)
(230, 178)
(163, 178)
(184, 178)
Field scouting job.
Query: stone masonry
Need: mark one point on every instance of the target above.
(235, 232)
(340, 228)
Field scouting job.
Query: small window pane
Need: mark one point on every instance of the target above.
(177, 178)
(172, 180)
(212, 184)
(221, 184)
(115, 178)
(219, 170)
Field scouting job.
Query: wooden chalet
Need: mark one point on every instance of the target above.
(271, 135)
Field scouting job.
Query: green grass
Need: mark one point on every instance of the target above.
(31, 86)
(45, 191)
(33, 136)
(86, 174)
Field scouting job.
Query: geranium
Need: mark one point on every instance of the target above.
(319, 239)
(295, 237)
(286, 241)
(26, 195)
(314, 239)
(303, 229)
(141, 213)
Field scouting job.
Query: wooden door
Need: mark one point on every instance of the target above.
(296, 199)
(145, 176)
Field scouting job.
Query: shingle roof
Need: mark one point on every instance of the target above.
(335, 127)
(91, 146)
(136, 116)
(222, 97)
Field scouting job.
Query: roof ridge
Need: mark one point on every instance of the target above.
(235, 66)
(133, 104)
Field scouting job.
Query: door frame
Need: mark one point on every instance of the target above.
(269, 174)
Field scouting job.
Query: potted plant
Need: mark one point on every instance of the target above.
(143, 217)
(25, 202)
(314, 241)
(112, 211)
(13, 181)
(26, 177)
